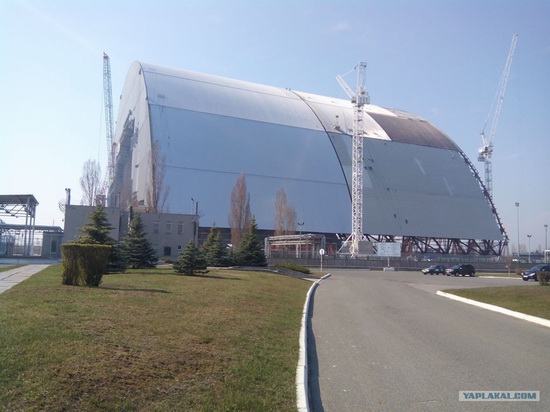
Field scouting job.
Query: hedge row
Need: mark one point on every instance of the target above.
(543, 277)
(84, 264)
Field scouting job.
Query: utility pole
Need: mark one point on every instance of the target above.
(517, 210)
(300, 224)
(546, 236)
(196, 223)
(529, 248)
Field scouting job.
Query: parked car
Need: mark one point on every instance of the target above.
(434, 270)
(462, 270)
(532, 272)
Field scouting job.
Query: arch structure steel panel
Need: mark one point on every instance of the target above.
(206, 130)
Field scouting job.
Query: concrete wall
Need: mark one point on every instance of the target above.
(169, 233)
(76, 216)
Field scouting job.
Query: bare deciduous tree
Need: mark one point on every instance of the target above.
(91, 183)
(157, 192)
(240, 216)
(285, 215)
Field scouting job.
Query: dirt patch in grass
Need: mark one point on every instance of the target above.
(532, 300)
(151, 341)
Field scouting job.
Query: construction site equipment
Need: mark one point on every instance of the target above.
(486, 150)
(108, 99)
(358, 99)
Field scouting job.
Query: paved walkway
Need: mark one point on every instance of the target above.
(12, 277)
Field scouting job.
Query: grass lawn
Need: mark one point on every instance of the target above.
(532, 300)
(9, 267)
(151, 340)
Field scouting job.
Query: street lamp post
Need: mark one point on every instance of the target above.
(546, 236)
(517, 209)
(529, 248)
(300, 224)
(196, 223)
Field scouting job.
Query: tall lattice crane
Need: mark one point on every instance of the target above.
(108, 99)
(358, 98)
(486, 150)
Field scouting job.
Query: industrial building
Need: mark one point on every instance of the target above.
(201, 132)
(168, 234)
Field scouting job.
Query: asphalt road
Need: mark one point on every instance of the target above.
(384, 341)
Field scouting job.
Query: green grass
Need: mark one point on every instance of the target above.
(9, 267)
(531, 300)
(151, 341)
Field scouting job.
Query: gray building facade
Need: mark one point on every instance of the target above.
(169, 233)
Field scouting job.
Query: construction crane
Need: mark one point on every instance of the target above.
(486, 150)
(108, 99)
(358, 98)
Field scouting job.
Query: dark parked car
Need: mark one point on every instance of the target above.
(532, 272)
(462, 270)
(434, 270)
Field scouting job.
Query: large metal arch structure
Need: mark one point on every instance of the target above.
(417, 185)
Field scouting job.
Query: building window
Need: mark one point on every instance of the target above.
(179, 247)
(167, 251)
(53, 246)
(168, 227)
(180, 228)
(155, 227)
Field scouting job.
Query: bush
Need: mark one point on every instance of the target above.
(71, 274)
(84, 264)
(544, 278)
(294, 267)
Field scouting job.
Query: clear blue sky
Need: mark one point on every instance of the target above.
(439, 59)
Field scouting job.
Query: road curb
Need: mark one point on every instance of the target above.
(508, 312)
(302, 390)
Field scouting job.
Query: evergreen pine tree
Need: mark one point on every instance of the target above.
(139, 251)
(214, 250)
(117, 258)
(191, 261)
(250, 250)
(97, 231)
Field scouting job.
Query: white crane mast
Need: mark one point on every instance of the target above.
(108, 99)
(486, 150)
(358, 99)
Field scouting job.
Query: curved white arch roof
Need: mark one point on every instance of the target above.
(212, 129)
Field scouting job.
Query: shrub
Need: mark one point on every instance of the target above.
(294, 267)
(544, 278)
(84, 264)
(71, 274)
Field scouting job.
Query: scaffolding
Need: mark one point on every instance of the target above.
(300, 246)
(24, 206)
(45, 241)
